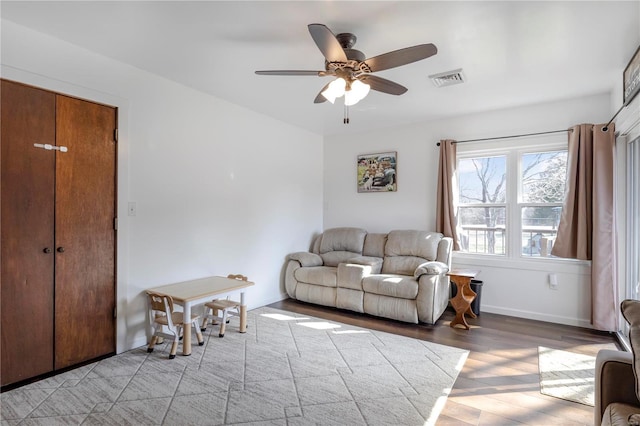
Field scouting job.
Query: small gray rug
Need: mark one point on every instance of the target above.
(567, 375)
(288, 369)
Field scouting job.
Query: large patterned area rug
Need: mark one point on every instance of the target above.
(567, 375)
(288, 369)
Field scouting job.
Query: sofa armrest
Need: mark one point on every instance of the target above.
(614, 381)
(351, 273)
(374, 262)
(431, 268)
(306, 258)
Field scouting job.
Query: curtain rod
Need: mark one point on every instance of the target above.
(606, 127)
(510, 137)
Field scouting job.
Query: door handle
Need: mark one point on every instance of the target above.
(60, 249)
(46, 250)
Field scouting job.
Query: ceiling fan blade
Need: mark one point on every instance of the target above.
(327, 43)
(320, 99)
(401, 57)
(382, 84)
(292, 72)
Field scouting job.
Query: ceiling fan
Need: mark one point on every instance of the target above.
(353, 72)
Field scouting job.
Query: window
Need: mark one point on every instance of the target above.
(482, 213)
(510, 199)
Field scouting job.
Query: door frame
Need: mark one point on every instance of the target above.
(122, 297)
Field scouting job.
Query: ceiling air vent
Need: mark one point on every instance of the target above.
(447, 78)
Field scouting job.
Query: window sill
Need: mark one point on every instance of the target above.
(521, 263)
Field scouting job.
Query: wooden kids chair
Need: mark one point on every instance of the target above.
(162, 316)
(212, 308)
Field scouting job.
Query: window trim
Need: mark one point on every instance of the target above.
(513, 149)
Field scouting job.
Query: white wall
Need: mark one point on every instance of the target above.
(219, 189)
(518, 288)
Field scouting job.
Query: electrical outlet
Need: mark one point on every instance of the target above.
(553, 281)
(132, 208)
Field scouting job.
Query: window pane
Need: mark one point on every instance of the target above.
(543, 177)
(539, 229)
(482, 180)
(483, 229)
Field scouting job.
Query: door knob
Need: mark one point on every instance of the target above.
(46, 250)
(60, 249)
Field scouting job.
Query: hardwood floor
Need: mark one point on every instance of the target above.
(499, 383)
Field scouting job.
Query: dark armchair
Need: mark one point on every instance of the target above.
(616, 379)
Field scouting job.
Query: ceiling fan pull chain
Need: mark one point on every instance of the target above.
(346, 115)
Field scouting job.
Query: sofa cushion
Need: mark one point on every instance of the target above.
(444, 250)
(407, 249)
(399, 286)
(374, 262)
(374, 245)
(319, 275)
(334, 258)
(631, 312)
(341, 244)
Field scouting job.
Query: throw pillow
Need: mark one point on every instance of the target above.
(631, 312)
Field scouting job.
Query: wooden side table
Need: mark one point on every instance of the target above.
(463, 298)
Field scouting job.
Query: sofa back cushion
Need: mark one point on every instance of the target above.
(406, 249)
(631, 312)
(374, 245)
(444, 251)
(341, 244)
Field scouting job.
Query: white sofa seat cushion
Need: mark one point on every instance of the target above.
(400, 286)
(319, 275)
(334, 258)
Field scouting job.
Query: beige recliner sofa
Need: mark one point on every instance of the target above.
(401, 275)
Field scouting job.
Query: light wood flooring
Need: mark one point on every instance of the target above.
(499, 383)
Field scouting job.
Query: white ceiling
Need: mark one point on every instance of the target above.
(512, 53)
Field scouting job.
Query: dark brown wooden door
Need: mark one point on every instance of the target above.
(85, 235)
(27, 228)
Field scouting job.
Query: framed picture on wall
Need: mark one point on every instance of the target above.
(631, 78)
(377, 172)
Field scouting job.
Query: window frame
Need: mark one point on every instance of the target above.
(513, 149)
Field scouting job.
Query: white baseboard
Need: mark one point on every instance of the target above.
(141, 341)
(556, 319)
(267, 301)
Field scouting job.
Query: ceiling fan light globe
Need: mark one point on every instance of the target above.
(350, 99)
(335, 89)
(359, 91)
